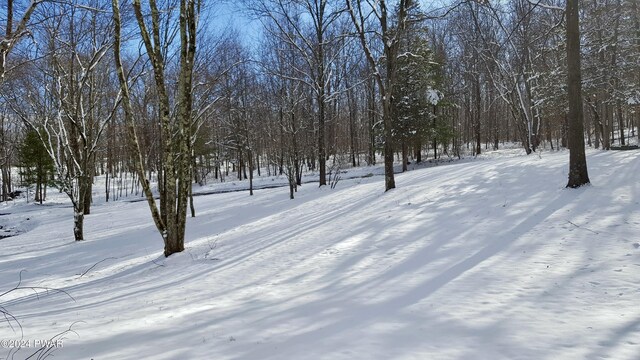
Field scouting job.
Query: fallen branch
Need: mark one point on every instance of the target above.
(583, 228)
(35, 289)
(94, 265)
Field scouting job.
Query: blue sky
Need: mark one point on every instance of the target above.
(232, 15)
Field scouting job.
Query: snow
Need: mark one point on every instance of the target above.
(434, 96)
(480, 259)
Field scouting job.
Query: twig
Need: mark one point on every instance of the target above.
(45, 350)
(212, 246)
(153, 261)
(94, 265)
(595, 232)
(9, 318)
(34, 288)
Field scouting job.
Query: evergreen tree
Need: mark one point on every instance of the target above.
(417, 95)
(36, 164)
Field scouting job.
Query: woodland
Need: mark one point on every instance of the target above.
(156, 97)
(320, 179)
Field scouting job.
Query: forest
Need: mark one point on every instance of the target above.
(320, 179)
(156, 95)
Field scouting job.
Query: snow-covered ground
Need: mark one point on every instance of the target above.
(484, 259)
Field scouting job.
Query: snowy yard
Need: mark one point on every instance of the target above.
(484, 259)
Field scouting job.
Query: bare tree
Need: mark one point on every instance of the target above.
(13, 35)
(170, 220)
(578, 174)
(287, 98)
(312, 39)
(72, 109)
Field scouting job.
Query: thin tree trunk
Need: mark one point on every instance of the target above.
(250, 156)
(131, 129)
(405, 155)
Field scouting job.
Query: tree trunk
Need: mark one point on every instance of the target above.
(578, 174)
(78, 224)
(477, 117)
(87, 194)
(322, 154)
(250, 173)
(389, 179)
(620, 121)
(371, 112)
(192, 207)
(351, 102)
(174, 175)
(405, 155)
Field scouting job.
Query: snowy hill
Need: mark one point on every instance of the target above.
(488, 259)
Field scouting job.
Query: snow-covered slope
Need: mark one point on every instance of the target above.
(489, 259)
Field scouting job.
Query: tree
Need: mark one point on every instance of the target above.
(71, 110)
(9, 135)
(578, 174)
(287, 98)
(313, 44)
(13, 35)
(36, 164)
(392, 27)
(170, 219)
(415, 96)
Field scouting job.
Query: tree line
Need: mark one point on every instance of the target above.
(150, 96)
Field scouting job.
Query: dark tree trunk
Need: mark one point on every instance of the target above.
(371, 112)
(87, 195)
(352, 128)
(405, 155)
(250, 156)
(322, 153)
(476, 127)
(578, 174)
(78, 224)
(620, 121)
(389, 179)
